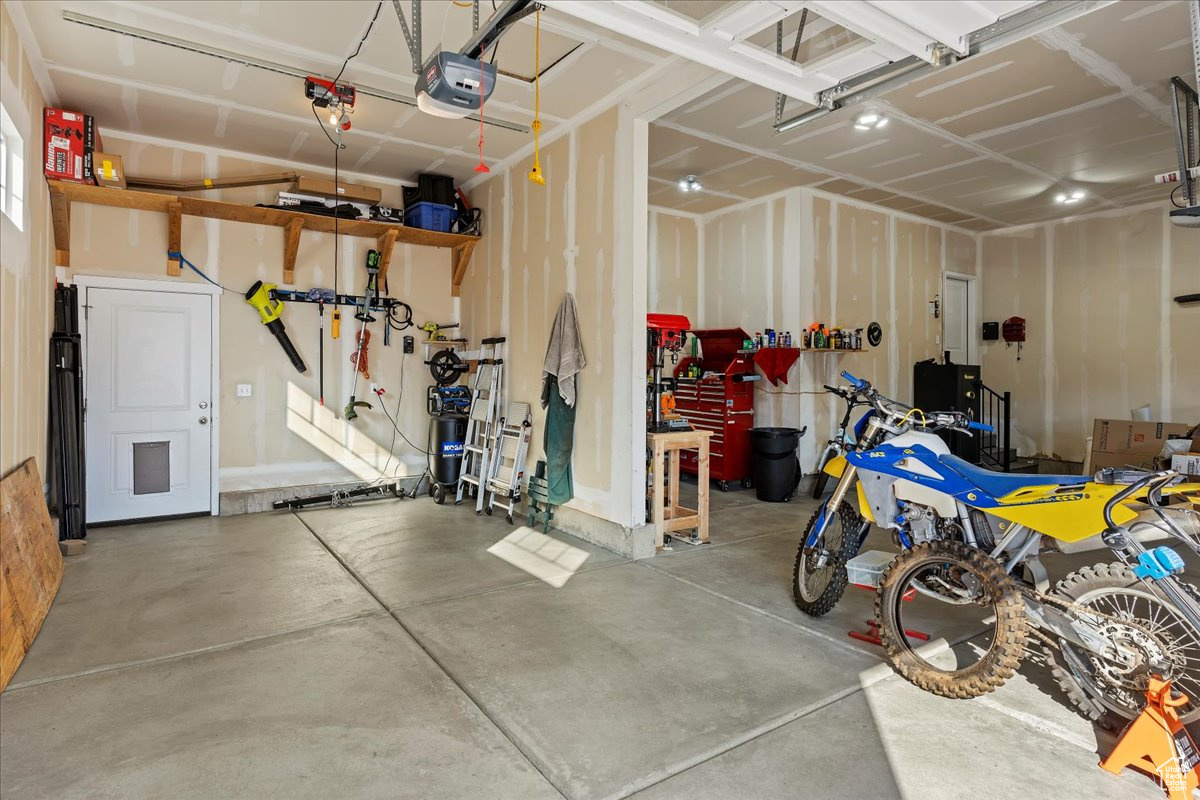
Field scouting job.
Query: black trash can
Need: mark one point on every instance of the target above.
(776, 467)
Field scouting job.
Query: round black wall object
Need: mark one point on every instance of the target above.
(446, 367)
(874, 334)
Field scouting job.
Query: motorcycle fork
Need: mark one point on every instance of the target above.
(832, 505)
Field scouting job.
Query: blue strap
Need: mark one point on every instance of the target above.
(175, 254)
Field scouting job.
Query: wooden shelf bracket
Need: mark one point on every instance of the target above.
(291, 246)
(60, 213)
(460, 259)
(385, 244)
(174, 235)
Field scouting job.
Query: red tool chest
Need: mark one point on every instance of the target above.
(721, 401)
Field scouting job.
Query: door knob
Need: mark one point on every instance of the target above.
(204, 420)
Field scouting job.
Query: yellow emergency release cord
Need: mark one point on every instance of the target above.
(535, 174)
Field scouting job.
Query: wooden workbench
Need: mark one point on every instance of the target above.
(668, 516)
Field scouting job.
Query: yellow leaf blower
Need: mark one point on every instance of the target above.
(270, 310)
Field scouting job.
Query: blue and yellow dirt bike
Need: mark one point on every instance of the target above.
(971, 542)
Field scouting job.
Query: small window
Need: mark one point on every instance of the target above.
(12, 171)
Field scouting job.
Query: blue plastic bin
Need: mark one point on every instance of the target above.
(430, 216)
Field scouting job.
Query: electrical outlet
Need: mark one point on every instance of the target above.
(409, 344)
(376, 388)
(245, 390)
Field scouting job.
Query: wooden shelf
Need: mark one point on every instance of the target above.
(387, 235)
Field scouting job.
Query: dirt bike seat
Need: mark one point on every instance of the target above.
(999, 484)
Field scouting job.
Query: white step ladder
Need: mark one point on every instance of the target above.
(485, 411)
(508, 460)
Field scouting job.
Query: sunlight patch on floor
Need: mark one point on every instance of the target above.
(543, 557)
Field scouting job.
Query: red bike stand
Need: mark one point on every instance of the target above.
(871, 635)
(1157, 744)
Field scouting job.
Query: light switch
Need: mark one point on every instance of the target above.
(245, 390)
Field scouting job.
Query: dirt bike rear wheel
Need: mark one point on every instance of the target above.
(817, 589)
(1097, 691)
(996, 591)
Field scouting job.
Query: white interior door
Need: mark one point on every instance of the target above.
(956, 319)
(148, 389)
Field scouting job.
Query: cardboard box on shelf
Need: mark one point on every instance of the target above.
(70, 140)
(1121, 442)
(339, 191)
(109, 170)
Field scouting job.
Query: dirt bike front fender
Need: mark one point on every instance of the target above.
(837, 467)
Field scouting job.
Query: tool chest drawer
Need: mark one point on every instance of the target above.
(721, 400)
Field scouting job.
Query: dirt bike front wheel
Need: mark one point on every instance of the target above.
(1141, 621)
(959, 589)
(819, 576)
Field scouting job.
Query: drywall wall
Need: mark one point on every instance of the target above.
(281, 435)
(672, 277)
(26, 273)
(803, 256)
(539, 243)
(1104, 336)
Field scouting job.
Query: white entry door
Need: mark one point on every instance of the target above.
(148, 400)
(956, 319)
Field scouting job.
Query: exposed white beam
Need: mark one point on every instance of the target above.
(702, 45)
(877, 24)
(746, 19)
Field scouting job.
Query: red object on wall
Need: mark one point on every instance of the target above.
(722, 403)
(775, 362)
(70, 140)
(1013, 329)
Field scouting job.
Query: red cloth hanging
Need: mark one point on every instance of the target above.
(775, 362)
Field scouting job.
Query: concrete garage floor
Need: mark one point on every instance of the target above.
(401, 649)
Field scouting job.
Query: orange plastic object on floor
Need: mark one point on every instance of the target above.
(1157, 744)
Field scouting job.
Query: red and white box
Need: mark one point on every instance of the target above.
(70, 140)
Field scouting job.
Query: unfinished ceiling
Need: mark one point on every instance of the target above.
(986, 143)
(149, 89)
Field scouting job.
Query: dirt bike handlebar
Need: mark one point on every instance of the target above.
(857, 383)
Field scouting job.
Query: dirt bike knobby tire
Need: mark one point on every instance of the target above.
(837, 584)
(1011, 628)
(1077, 585)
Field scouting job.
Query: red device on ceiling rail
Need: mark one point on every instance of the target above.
(323, 92)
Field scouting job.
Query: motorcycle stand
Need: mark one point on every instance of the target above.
(1157, 744)
(871, 635)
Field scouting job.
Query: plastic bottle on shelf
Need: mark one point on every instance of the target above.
(787, 339)
(770, 337)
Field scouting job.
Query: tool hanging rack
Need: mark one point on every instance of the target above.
(387, 235)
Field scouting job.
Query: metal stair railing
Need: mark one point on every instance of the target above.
(995, 449)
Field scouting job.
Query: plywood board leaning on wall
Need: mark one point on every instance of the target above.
(32, 565)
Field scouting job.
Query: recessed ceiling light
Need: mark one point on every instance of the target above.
(690, 184)
(1072, 197)
(869, 120)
